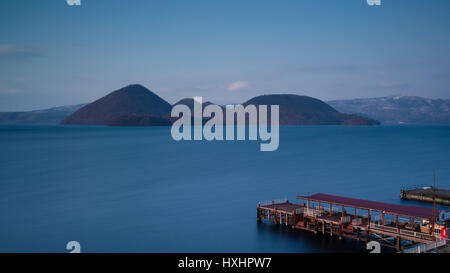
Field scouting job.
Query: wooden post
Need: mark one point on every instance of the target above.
(398, 239)
(294, 217)
(382, 220)
(368, 226)
(258, 214)
(275, 216)
(433, 237)
(396, 224)
(331, 209)
(398, 243)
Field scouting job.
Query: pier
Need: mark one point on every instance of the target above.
(394, 226)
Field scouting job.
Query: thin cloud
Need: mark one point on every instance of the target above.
(17, 52)
(327, 68)
(392, 85)
(9, 91)
(237, 85)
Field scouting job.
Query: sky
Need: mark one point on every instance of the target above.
(227, 51)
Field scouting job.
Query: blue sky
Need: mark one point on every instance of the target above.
(227, 51)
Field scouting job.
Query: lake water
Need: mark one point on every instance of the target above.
(137, 190)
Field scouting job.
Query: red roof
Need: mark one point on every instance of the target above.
(413, 211)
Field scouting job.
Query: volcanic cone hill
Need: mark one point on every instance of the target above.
(134, 101)
(303, 110)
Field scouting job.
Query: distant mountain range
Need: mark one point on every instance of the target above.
(398, 109)
(135, 105)
(43, 117)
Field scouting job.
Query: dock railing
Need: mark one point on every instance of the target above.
(357, 221)
(409, 233)
(383, 228)
(423, 248)
(346, 219)
(299, 210)
(273, 202)
(309, 212)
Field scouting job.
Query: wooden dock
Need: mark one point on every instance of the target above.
(394, 226)
(427, 194)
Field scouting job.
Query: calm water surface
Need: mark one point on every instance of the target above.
(137, 190)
